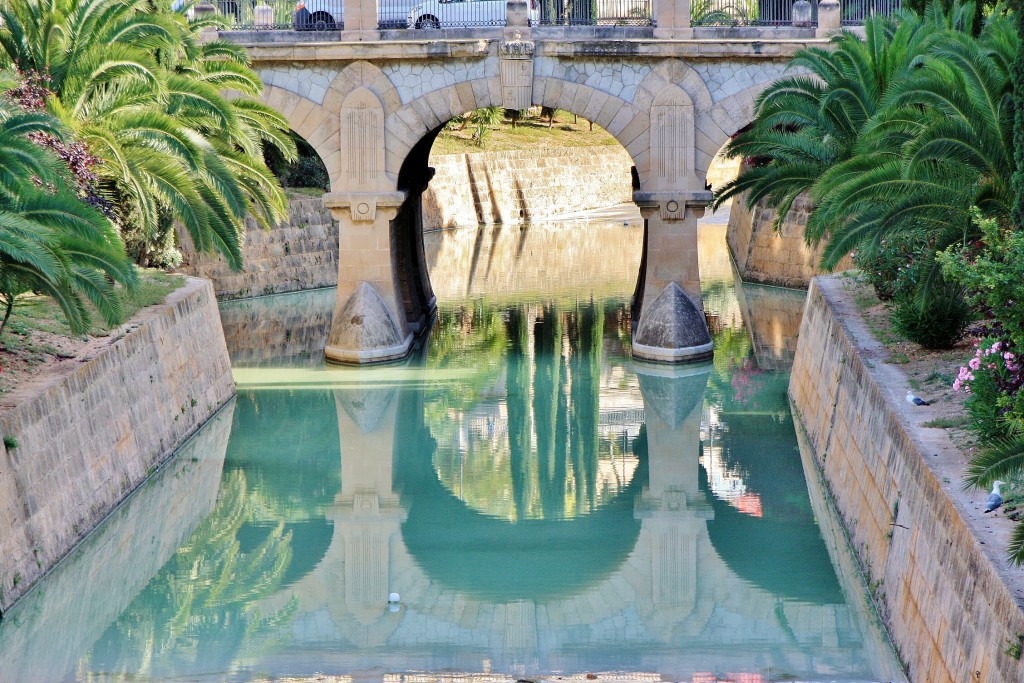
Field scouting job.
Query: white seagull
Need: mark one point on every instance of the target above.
(917, 400)
(994, 499)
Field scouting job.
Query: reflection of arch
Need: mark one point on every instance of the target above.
(757, 548)
(497, 560)
(298, 472)
(494, 559)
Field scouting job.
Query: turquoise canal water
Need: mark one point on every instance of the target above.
(544, 506)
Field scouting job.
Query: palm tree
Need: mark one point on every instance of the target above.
(809, 123)
(50, 240)
(141, 92)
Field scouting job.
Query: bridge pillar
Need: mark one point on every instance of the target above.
(668, 308)
(369, 323)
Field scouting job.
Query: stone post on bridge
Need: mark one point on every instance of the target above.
(829, 19)
(668, 306)
(361, 20)
(672, 19)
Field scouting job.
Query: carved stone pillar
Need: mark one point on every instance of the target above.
(516, 68)
(668, 307)
(369, 322)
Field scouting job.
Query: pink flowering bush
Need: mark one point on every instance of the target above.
(993, 379)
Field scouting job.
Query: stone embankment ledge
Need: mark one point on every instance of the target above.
(88, 437)
(934, 563)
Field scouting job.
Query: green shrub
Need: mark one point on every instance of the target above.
(894, 265)
(307, 171)
(992, 271)
(935, 321)
(993, 381)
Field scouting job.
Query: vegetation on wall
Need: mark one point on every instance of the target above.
(905, 142)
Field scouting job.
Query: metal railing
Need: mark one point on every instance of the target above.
(328, 15)
(248, 15)
(433, 14)
(744, 12)
(779, 12)
(592, 13)
(854, 12)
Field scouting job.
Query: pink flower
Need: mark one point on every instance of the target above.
(1008, 356)
(974, 363)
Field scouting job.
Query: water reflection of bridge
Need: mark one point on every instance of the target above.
(666, 574)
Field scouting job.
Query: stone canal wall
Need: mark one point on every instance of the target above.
(299, 254)
(941, 593)
(127, 551)
(772, 257)
(90, 437)
(523, 185)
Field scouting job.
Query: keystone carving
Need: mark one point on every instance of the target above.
(516, 68)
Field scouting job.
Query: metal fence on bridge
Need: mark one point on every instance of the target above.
(779, 12)
(593, 13)
(328, 15)
(745, 12)
(855, 12)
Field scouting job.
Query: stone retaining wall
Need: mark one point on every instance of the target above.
(299, 254)
(89, 438)
(127, 551)
(941, 594)
(764, 255)
(523, 185)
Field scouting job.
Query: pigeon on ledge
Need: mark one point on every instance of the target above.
(994, 499)
(917, 400)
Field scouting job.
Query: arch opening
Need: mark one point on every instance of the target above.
(307, 172)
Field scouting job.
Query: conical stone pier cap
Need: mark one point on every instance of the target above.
(364, 331)
(672, 329)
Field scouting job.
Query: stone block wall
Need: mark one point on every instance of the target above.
(299, 254)
(942, 597)
(780, 258)
(104, 574)
(523, 185)
(86, 440)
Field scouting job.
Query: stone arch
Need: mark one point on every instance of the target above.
(362, 74)
(408, 125)
(675, 79)
(717, 124)
(314, 122)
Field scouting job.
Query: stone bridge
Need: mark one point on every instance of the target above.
(372, 103)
